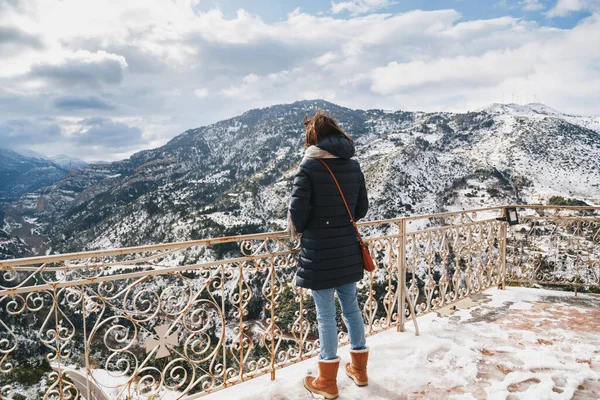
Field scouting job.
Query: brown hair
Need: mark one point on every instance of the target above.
(320, 126)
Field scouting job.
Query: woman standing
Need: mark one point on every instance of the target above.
(330, 259)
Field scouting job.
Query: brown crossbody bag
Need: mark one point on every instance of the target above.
(368, 263)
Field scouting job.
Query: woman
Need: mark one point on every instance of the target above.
(330, 258)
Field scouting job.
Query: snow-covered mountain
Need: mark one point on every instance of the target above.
(234, 176)
(23, 173)
(26, 171)
(526, 110)
(541, 110)
(67, 162)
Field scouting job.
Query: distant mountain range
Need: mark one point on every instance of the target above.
(234, 177)
(23, 172)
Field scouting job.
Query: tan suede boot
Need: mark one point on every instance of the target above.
(326, 383)
(357, 370)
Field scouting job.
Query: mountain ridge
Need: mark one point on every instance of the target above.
(68, 162)
(20, 174)
(234, 176)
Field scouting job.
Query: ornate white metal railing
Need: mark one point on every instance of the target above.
(555, 246)
(177, 321)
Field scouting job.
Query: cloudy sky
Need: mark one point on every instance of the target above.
(102, 79)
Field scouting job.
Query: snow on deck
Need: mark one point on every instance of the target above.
(515, 344)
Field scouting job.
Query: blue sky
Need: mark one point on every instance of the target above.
(102, 80)
(470, 9)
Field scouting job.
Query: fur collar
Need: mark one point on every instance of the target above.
(316, 152)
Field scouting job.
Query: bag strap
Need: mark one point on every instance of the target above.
(343, 198)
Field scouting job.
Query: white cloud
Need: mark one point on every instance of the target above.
(460, 72)
(250, 78)
(531, 5)
(201, 93)
(326, 58)
(356, 7)
(255, 87)
(566, 7)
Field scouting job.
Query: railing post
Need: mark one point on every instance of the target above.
(272, 300)
(503, 240)
(401, 265)
(88, 371)
(241, 318)
(224, 313)
(301, 324)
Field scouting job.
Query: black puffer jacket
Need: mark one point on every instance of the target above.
(330, 254)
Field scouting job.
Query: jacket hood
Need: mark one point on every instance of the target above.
(337, 145)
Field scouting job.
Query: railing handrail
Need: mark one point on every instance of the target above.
(5, 264)
(139, 249)
(536, 206)
(204, 242)
(133, 274)
(425, 216)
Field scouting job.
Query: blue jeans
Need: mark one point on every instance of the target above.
(325, 303)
